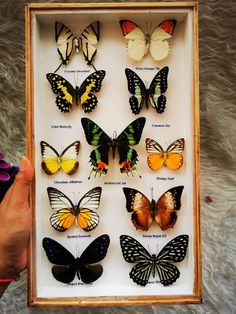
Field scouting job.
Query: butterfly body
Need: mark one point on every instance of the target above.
(152, 96)
(95, 136)
(144, 212)
(147, 264)
(66, 213)
(171, 158)
(66, 266)
(67, 94)
(138, 43)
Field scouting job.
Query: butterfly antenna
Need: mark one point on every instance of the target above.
(74, 78)
(152, 193)
(77, 250)
(58, 67)
(94, 67)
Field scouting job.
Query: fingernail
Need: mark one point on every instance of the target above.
(23, 163)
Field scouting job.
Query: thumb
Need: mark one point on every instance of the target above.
(19, 196)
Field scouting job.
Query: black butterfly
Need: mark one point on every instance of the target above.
(130, 136)
(147, 264)
(66, 265)
(67, 94)
(149, 96)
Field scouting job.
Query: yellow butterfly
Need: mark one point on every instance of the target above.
(53, 162)
(171, 157)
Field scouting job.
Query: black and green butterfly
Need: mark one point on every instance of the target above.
(149, 96)
(130, 136)
(67, 94)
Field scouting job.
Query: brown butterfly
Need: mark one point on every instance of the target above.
(145, 212)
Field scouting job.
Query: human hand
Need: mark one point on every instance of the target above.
(15, 221)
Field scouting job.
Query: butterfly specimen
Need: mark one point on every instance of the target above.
(139, 44)
(66, 265)
(145, 212)
(67, 94)
(66, 213)
(147, 264)
(171, 157)
(67, 42)
(130, 136)
(53, 162)
(148, 96)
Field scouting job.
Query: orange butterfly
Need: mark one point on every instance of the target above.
(145, 212)
(171, 158)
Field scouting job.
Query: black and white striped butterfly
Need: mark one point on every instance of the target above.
(147, 264)
(67, 42)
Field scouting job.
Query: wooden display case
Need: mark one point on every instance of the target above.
(46, 123)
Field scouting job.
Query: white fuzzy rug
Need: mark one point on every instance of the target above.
(218, 152)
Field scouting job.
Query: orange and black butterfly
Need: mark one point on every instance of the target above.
(145, 212)
(172, 157)
(66, 213)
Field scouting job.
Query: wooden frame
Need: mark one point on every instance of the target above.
(31, 13)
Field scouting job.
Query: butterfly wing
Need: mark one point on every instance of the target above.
(64, 39)
(137, 88)
(88, 40)
(131, 135)
(136, 45)
(140, 207)
(64, 217)
(69, 162)
(65, 91)
(94, 253)
(87, 218)
(92, 84)
(158, 86)
(159, 46)
(156, 157)
(50, 156)
(174, 157)
(99, 160)
(65, 264)
(166, 207)
(96, 136)
(175, 251)
(128, 158)
(133, 252)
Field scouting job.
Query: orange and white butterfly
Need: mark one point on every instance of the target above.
(172, 157)
(53, 162)
(66, 213)
(139, 43)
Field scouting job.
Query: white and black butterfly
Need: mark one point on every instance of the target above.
(83, 214)
(86, 42)
(147, 264)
